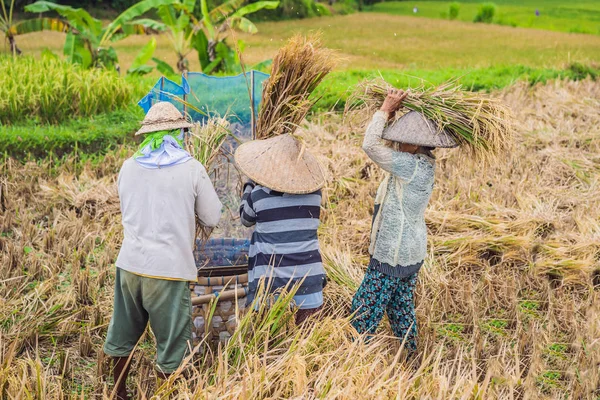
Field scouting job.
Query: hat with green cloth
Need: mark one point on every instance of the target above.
(163, 116)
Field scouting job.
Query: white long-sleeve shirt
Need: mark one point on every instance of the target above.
(399, 233)
(158, 209)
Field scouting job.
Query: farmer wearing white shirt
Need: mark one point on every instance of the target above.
(162, 190)
(398, 235)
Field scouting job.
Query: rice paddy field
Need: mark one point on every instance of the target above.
(380, 41)
(580, 16)
(507, 303)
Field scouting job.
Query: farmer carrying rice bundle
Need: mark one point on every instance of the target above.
(283, 201)
(283, 197)
(399, 235)
(162, 189)
(437, 117)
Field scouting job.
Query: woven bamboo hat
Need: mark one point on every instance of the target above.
(414, 128)
(163, 116)
(280, 163)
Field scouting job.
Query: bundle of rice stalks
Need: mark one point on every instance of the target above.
(481, 124)
(297, 70)
(205, 142)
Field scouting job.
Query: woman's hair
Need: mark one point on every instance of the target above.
(422, 149)
(393, 145)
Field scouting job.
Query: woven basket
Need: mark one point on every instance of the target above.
(222, 277)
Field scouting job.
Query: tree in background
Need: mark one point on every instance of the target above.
(213, 52)
(453, 10)
(295, 9)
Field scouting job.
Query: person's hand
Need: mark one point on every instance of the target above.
(248, 186)
(393, 101)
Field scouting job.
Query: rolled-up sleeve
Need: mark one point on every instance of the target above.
(247, 213)
(208, 206)
(401, 164)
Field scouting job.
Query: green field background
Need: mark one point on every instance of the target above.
(580, 16)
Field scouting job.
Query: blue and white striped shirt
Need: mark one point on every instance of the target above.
(284, 247)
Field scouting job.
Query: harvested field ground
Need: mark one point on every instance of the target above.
(507, 304)
(382, 41)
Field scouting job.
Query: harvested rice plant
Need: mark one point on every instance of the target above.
(508, 299)
(507, 303)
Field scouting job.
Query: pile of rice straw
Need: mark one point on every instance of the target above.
(481, 124)
(298, 68)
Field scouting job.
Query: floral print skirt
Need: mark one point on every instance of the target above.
(379, 294)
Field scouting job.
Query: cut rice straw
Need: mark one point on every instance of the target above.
(205, 141)
(298, 68)
(205, 144)
(481, 125)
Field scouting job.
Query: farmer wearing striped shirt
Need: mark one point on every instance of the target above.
(398, 234)
(162, 190)
(283, 201)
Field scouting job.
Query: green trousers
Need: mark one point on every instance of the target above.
(165, 304)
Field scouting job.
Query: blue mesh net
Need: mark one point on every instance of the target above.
(228, 96)
(222, 252)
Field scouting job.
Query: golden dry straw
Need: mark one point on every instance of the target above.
(480, 123)
(298, 68)
(506, 305)
(205, 143)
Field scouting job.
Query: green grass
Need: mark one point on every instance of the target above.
(451, 331)
(383, 41)
(579, 16)
(52, 90)
(30, 140)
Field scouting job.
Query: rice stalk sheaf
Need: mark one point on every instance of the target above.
(298, 68)
(480, 123)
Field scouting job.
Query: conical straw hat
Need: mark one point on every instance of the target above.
(163, 116)
(415, 129)
(280, 163)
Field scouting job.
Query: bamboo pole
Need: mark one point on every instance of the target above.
(222, 280)
(225, 295)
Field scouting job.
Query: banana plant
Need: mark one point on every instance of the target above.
(11, 29)
(89, 43)
(207, 35)
(213, 52)
(176, 23)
